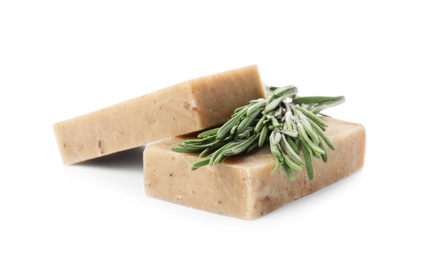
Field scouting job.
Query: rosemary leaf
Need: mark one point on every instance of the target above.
(272, 105)
(200, 163)
(325, 155)
(322, 134)
(289, 150)
(306, 139)
(290, 163)
(248, 120)
(287, 91)
(293, 144)
(313, 136)
(289, 172)
(313, 117)
(325, 105)
(186, 150)
(210, 132)
(308, 161)
(277, 167)
(260, 125)
(316, 99)
(263, 136)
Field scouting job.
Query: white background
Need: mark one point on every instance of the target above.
(60, 59)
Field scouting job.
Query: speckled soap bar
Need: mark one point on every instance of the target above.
(180, 109)
(242, 186)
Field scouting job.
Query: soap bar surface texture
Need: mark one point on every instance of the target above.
(242, 186)
(180, 109)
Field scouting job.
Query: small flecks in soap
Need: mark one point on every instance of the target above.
(100, 147)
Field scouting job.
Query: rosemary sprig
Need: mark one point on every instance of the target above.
(289, 123)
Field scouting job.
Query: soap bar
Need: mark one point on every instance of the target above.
(243, 186)
(180, 109)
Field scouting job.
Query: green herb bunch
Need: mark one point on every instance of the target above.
(289, 123)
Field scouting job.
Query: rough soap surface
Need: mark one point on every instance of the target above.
(180, 109)
(242, 187)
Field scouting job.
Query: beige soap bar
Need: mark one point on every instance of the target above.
(183, 108)
(242, 187)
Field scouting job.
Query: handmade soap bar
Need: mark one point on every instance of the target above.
(242, 186)
(183, 108)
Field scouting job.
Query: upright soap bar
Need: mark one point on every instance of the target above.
(242, 186)
(183, 108)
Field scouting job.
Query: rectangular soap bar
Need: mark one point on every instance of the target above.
(183, 108)
(242, 186)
